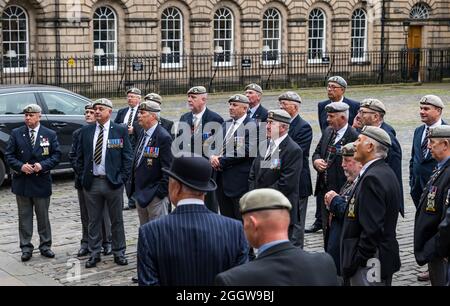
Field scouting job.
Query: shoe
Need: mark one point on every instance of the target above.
(423, 277)
(121, 260)
(92, 262)
(48, 253)
(313, 228)
(26, 256)
(135, 279)
(83, 252)
(107, 250)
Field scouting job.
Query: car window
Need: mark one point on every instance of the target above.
(63, 104)
(13, 104)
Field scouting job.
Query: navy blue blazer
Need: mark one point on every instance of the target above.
(46, 152)
(261, 114)
(147, 180)
(73, 157)
(322, 114)
(117, 161)
(137, 129)
(189, 247)
(420, 168)
(301, 132)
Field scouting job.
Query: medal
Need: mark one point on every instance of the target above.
(351, 209)
(431, 205)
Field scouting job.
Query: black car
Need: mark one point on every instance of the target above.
(62, 111)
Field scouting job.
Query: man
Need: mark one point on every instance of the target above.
(89, 116)
(280, 167)
(336, 90)
(197, 120)
(148, 183)
(444, 238)
(104, 159)
(128, 117)
(369, 247)
(266, 219)
(337, 203)
(165, 123)
(32, 151)
(327, 159)
(234, 161)
(432, 208)
(256, 111)
(372, 113)
(422, 163)
(301, 133)
(190, 246)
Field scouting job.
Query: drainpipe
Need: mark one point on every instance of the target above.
(382, 44)
(57, 45)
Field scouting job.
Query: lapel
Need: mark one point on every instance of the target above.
(26, 138)
(111, 135)
(327, 139)
(205, 117)
(90, 135)
(434, 177)
(294, 123)
(37, 144)
(418, 145)
(152, 142)
(281, 149)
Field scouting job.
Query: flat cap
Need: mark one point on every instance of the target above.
(290, 96)
(279, 115)
(432, 100)
(339, 80)
(104, 102)
(150, 106)
(254, 87)
(263, 199)
(134, 90)
(348, 149)
(442, 131)
(336, 107)
(374, 104)
(377, 134)
(32, 108)
(89, 106)
(197, 90)
(239, 98)
(153, 97)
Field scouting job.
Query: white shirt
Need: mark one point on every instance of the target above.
(148, 135)
(235, 126)
(438, 123)
(277, 144)
(254, 109)
(36, 131)
(341, 100)
(190, 201)
(125, 119)
(100, 169)
(199, 116)
(367, 165)
(340, 134)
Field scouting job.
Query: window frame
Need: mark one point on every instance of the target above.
(112, 67)
(224, 63)
(323, 38)
(364, 37)
(26, 42)
(179, 41)
(278, 40)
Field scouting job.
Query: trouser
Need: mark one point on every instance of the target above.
(106, 223)
(296, 230)
(156, 209)
(25, 207)
(438, 272)
(99, 196)
(318, 214)
(362, 277)
(211, 198)
(229, 207)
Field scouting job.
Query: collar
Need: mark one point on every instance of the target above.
(442, 163)
(437, 123)
(105, 126)
(342, 131)
(367, 165)
(190, 201)
(268, 245)
(341, 100)
(254, 109)
(280, 140)
(199, 115)
(240, 120)
(36, 129)
(295, 117)
(150, 131)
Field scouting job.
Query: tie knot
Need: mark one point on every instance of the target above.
(100, 127)
(32, 131)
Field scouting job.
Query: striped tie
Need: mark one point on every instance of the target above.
(99, 146)
(130, 117)
(424, 145)
(32, 138)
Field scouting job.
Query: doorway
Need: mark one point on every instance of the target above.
(414, 53)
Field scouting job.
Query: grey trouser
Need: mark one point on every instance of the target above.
(297, 230)
(106, 224)
(99, 196)
(25, 208)
(157, 208)
(438, 272)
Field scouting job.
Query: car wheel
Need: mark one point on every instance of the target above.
(2, 171)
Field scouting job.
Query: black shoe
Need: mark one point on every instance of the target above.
(107, 250)
(26, 256)
(48, 253)
(121, 260)
(313, 228)
(83, 252)
(92, 262)
(135, 279)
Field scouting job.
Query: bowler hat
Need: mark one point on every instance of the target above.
(193, 171)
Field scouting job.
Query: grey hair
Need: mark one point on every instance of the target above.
(381, 151)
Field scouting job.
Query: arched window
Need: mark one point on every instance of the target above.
(359, 35)
(171, 37)
(316, 38)
(271, 36)
(420, 11)
(223, 36)
(105, 38)
(15, 39)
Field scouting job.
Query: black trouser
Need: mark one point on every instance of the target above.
(229, 206)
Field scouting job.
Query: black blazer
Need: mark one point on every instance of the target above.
(336, 176)
(73, 156)
(137, 129)
(370, 222)
(322, 114)
(283, 176)
(444, 233)
(261, 114)
(301, 132)
(282, 265)
(167, 125)
(429, 214)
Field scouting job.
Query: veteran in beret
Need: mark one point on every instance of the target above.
(280, 166)
(104, 159)
(256, 111)
(32, 151)
(432, 207)
(165, 123)
(266, 218)
(370, 219)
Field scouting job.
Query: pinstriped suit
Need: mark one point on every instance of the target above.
(190, 246)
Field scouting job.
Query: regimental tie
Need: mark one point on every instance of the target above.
(32, 138)
(99, 146)
(140, 149)
(130, 118)
(229, 134)
(270, 150)
(330, 154)
(195, 122)
(424, 145)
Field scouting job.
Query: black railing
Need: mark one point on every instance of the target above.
(111, 76)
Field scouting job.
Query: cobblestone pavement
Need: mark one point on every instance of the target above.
(401, 102)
